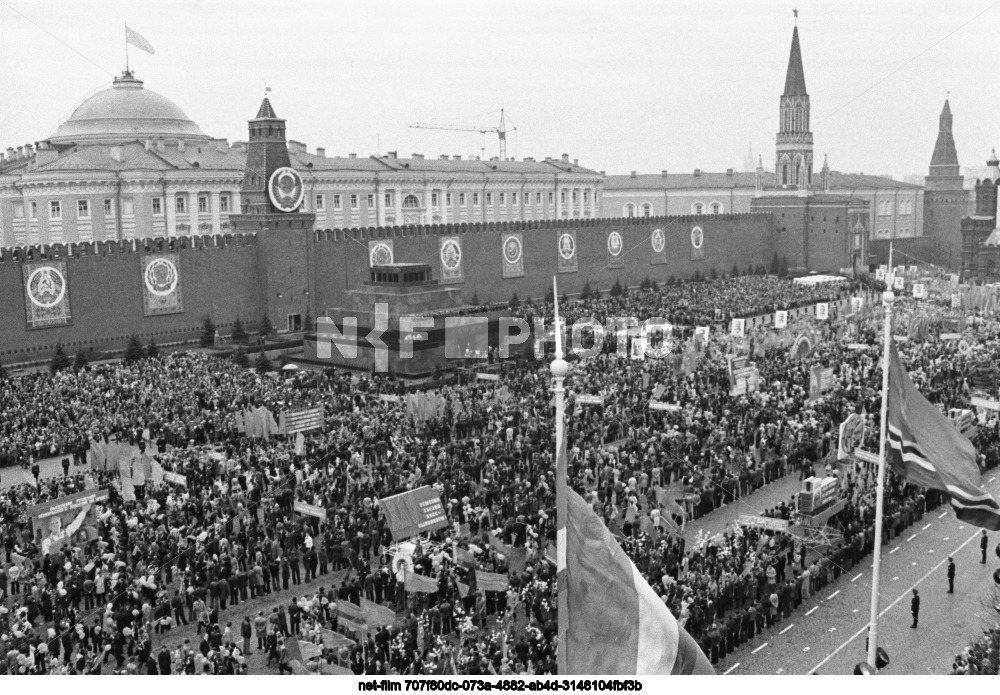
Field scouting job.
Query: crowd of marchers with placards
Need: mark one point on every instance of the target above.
(228, 548)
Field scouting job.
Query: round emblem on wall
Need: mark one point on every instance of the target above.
(567, 246)
(512, 250)
(381, 255)
(285, 189)
(697, 237)
(161, 277)
(46, 287)
(451, 254)
(614, 243)
(658, 240)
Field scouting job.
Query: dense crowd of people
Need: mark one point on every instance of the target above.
(192, 554)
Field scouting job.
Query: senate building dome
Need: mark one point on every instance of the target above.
(126, 112)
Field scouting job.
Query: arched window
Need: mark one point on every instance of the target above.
(411, 201)
(698, 208)
(716, 208)
(630, 210)
(647, 210)
(784, 174)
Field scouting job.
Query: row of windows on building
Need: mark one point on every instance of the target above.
(886, 233)
(412, 201)
(714, 208)
(83, 207)
(884, 207)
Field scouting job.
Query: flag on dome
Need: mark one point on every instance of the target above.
(929, 451)
(617, 623)
(138, 40)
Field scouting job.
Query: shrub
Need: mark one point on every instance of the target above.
(207, 338)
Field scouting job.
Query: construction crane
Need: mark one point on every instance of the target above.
(500, 130)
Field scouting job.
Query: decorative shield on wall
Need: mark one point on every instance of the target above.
(450, 253)
(161, 284)
(566, 244)
(380, 252)
(286, 189)
(697, 244)
(512, 251)
(46, 294)
(658, 240)
(616, 250)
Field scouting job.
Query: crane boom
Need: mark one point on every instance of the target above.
(500, 130)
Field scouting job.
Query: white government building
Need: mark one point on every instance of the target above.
(130, 164)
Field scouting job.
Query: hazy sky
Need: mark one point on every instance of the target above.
(622, 85)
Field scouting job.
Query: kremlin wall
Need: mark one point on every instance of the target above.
(219, 275)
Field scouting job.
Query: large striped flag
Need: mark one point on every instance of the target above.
(617, 623)
(929, 451)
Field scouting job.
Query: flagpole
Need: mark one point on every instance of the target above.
(126, 46)
(887, 300)
(559, 369)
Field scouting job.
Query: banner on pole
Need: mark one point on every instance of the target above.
(309, 510)
(416, 583)
(303, 420)
(821, 380)
(852, 434)
(491, 581)
(414, 512)
(69, 520)
(175, 478)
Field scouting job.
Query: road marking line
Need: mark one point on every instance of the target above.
(812, 610)
(943, 514)
(787, 629)
(855, 610)
(914, 564)
(931, 550)
(894, 550)
(759, 648)
(911, 538)
(925, 528)
(833, 594)
(993, 478)
(857, 578)
(906, 593)
(732, 668)
(946, 537)
(895, 578)
(833, 629)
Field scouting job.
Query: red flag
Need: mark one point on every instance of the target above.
(617, 623)
(927, 450)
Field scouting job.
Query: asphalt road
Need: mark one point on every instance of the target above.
(827, 633)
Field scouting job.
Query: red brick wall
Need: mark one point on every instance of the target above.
(223, 276)
(105, 289)
(341, 256)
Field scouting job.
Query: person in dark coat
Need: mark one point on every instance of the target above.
(915, 607)
(984, 541)
(163, 661)
(951, 576)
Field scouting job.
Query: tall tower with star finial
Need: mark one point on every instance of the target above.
(272, 198)
(794, 142)
(945, 198)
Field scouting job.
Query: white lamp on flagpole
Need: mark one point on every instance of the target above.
(887, 300)
(560, 368)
